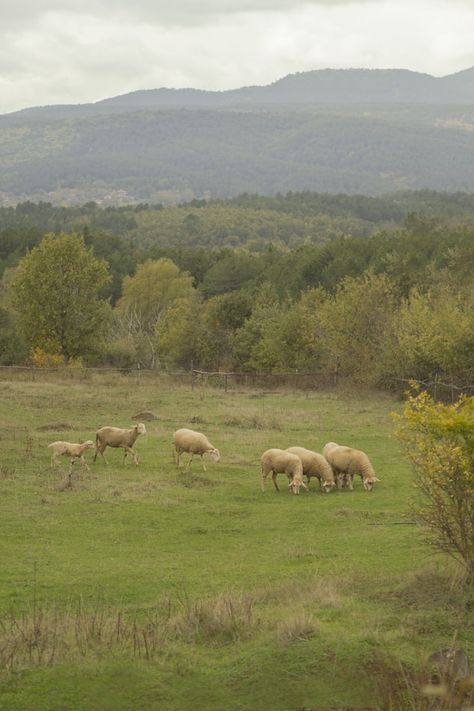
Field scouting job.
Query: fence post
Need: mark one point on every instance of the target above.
(225, 383)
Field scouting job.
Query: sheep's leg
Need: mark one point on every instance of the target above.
(264, 478)
(203, 463)
(53, 459)
(190, 460)
(84, 463)
(350, 481)
(274, 479)
(129, 450)
(100, 450)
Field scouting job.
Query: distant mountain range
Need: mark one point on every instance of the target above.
(353, 130)
(324, 86)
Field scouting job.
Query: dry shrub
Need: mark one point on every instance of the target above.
(227, 618)
(45, 637)
(41, 636)
(7, 472)
(401, 687)
(298, 628)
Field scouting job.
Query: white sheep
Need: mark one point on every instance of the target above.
(279, 461)
(347, 461)
(314, 464)
(70, 449)
(117, 437)
(340, 478)
(185, 440)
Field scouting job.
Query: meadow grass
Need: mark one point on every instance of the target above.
(153, 588)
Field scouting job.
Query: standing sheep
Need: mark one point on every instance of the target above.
(348, 461)
(314, 464)
(71, 450)
(117, 437)
(185, 440)
(279, 461)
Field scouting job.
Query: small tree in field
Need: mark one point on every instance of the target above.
(438, 440)
(55, 292)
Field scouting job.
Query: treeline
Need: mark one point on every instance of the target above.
(398, 303)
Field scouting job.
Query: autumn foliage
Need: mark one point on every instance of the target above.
(438, 440)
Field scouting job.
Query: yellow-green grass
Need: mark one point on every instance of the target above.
(148, 587)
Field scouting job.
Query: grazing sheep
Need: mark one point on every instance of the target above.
(279, 461)
(117, 437)
(347, 461)
(71, 450)
(185, 440)
(314, 464)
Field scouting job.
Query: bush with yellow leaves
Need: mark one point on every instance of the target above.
(438, 440)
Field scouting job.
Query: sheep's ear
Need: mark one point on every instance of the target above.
(376, 479)
(304, 485)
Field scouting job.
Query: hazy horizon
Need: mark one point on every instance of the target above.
(51, 52)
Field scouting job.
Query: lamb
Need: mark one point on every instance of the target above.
(117, 437)
(71, 450)
(279, 461)
(348, 461)
(314, 464)
(185, 440)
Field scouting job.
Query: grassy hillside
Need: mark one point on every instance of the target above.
(155, 588)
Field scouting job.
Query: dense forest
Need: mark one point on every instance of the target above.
(366, 287)
(327, 132)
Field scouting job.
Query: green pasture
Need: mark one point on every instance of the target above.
(161, 589)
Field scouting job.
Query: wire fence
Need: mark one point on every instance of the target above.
(438, 387)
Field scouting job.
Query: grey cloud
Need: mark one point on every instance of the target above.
(180, 12)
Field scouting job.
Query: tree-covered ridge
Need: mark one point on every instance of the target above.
(171, 155)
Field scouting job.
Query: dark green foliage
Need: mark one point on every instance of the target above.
(55, 291)
(177, 154)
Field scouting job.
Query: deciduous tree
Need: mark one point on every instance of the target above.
(55, 291)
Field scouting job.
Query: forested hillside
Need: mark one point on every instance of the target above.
(349, 131)
(251, 284)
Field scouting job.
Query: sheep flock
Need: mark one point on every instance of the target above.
(334, 468)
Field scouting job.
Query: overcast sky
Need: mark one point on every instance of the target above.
(66, 51)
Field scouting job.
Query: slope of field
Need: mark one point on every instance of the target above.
(155, 588)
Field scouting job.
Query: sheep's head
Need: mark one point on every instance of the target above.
(296, 484)
(328, 486)
(215, 454)
(89, 444)
(369, 482)
(140, 428)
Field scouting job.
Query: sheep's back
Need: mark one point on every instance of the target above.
(350, 460)
(314, 463)
(191, 441)
(279, 460)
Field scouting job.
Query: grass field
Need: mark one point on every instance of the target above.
(149, 588)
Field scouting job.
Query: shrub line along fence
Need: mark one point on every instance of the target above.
(437, 388)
